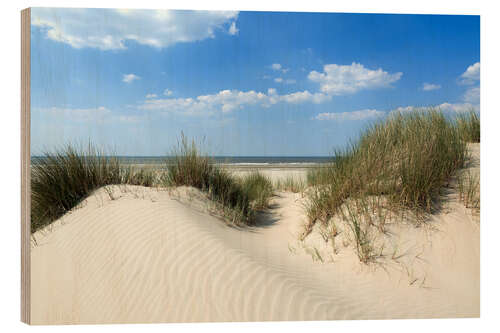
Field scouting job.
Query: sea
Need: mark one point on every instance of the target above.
(231, 160)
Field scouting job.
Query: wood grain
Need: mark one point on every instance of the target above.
(25, 166)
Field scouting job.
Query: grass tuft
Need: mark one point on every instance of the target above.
(188, 167)
(469, 126)
(406, 160)
(290, 184)
(469, 189)
(61, 180)
(259, 189)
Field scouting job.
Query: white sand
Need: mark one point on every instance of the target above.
(155, 256)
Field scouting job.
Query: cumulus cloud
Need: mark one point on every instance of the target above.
(305, 96)
(233, 30)
(226, 101)
(276, 67)
(110, 29)
(472, 95)
(77, 114)
(444, 107)
(280, 68)
(151, 96)
(349, 79)
(167, 92)
(458, 107)
(287, 81)
(373, 113)
(127, 78)
(430, 86)
(353, 115)
(471, 74)
(100, 114)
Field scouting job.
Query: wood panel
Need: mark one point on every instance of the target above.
(25, 165)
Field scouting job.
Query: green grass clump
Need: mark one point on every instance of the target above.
(469, 127)
(407, 159)
(189, 168)
(61, 180)
(139, 177)
(259, 189)
(469, 189)
(290, 184)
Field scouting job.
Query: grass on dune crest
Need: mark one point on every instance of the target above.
(62, 179)
(188, 167)
(259, 189)
(469, 126)
(406, 160)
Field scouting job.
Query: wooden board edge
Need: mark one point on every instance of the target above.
(25, 166)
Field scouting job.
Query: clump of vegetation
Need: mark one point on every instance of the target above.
(259, 189)
(139, 177)
(469, 126)
(189, 168)
(469, 189)
(406, 160)
(60, 180)
(290, 184)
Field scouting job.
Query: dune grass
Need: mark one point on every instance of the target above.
(469, 189)
(406, 160)
(290, 184)
(188, 167)
(469, 127)
(60, 180)
(259, 189)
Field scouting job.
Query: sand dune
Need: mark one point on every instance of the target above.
(148, 255)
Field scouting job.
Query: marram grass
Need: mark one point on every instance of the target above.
(406, 159)
(188, 167)
(60, 180)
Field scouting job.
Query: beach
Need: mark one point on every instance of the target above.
(162, 255)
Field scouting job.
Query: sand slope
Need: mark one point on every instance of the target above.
(147, 255)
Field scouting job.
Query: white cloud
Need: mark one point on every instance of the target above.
(167, 92)
(353, 115)
(110, 29)
(229, 100)
(287, 81)
(349, 79)
(276, 67)
(444, 107)
(404, 109)
(77, 114)
(458, 107)
(130, 119)
(372, 113)
(127, 78)
(233, 30)
(430, 86)
(472, 95)
(151, 96)
(305, 96)
(472, 74)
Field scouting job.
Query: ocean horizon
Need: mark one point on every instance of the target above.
(237, 160)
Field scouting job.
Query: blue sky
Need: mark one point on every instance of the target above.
(243, 83)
